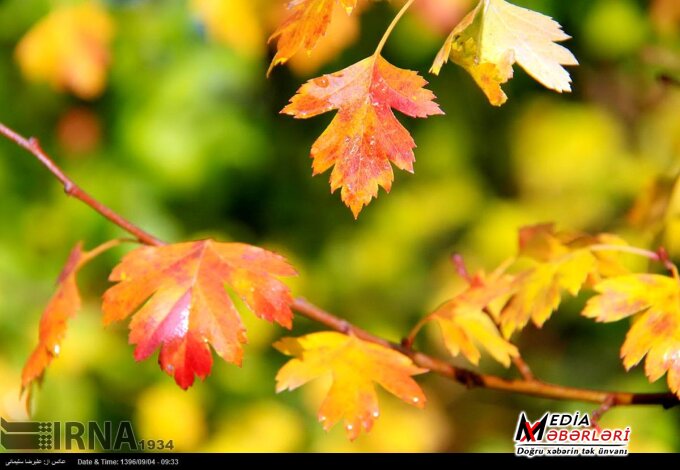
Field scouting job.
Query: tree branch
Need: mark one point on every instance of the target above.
(473, 379)
(73, 190)
(463, 376)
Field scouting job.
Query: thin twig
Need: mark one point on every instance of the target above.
(464, 376)
(473, 379)
(73, 190)
(597, 415)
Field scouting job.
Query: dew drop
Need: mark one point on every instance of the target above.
(56, 349)
(415, 399)
(321, 82)
(376, 414)
(170, 368)
(322, 419)
(350, 427)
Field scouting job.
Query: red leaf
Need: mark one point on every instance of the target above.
(365, 136)
(178, 294)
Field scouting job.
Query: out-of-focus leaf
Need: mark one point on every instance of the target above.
(69, 49)
(234, 23)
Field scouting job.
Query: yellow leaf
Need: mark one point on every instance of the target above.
(539, 290)
(69, 49)
(655, 333)
(564, 261)
(234, 23)
(465, 325)
(495, 35)
(355, 366)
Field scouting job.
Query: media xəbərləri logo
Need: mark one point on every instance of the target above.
(565, 434)
(73, 435)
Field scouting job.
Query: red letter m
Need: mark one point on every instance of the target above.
(527, 431)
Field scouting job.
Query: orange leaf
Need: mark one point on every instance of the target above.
(655, 332)
(355, 366)
(465, 325)
(365, 136)
(69, 49)
(63, 306)
(305, 25)
(178, 292)
(342, 31)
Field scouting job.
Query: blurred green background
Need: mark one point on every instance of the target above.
(185, 139)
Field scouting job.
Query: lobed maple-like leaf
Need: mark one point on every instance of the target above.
(465, 325)
(63, 306)
(181, 304)
(655, 332)
(563, 261)
(306, 23)
(364, 136)
(355, 366)
(495, 35)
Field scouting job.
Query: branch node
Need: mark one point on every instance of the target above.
(34, 144)
(345, 327)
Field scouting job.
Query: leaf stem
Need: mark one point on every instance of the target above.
(70, 188)
(659, 256)
(391, 27)
(408, 341)
(106, 246)
(473, 379)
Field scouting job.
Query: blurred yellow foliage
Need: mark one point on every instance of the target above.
(234, 23)
(69, 49)
(570, 160)
(11, 406)
(166, 412)
(265, 426)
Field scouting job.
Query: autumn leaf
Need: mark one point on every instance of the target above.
(465, 325)
(355, 366)
(63, 306)
(495, 35)
(563, 261)
(364, 136)
(178, 294)
(306, 23)
(342, 31)
(655, 332)
(69, 49)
